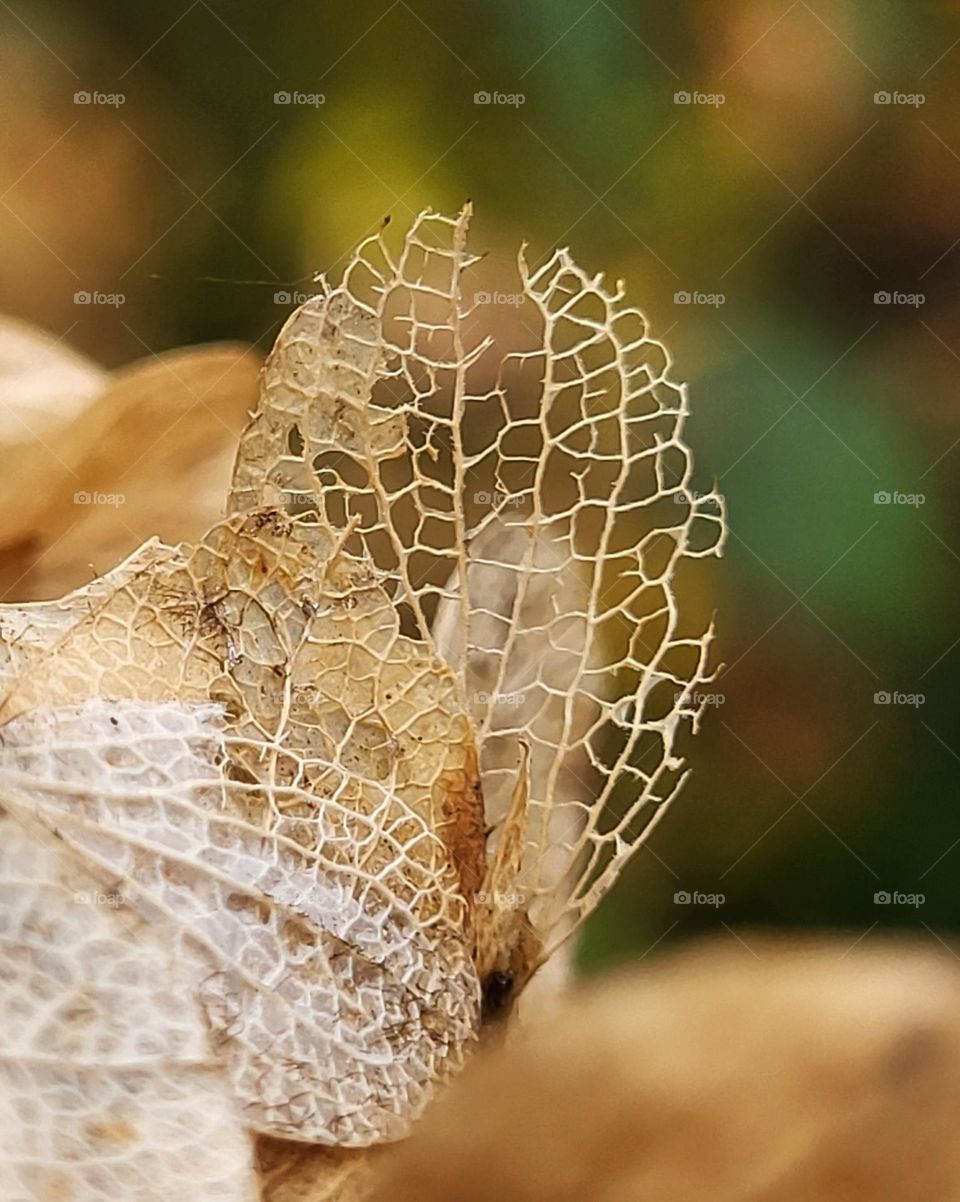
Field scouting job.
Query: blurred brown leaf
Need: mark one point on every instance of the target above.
(784, 1073)
(151, 455)
(45, 383)
(293, 1172)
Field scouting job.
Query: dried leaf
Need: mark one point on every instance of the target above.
(295, 838)
(283, 740)
(561, 469)
(46, 385)
(294, 1172)
(148, 456)
(108, 1085)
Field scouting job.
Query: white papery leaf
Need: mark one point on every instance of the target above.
(109, 1088)
(294, 861)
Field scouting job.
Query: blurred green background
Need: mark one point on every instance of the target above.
(814, 165)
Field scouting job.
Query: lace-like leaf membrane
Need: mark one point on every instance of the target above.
(361, 759)
(108, 1086)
